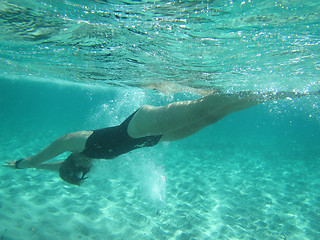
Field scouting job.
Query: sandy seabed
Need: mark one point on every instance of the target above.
(180, 190)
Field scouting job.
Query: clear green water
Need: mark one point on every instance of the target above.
(77, 65)
(216, 44)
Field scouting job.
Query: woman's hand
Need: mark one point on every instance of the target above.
(13, 164)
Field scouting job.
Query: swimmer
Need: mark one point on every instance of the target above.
(146, 127)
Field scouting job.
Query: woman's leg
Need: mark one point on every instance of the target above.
(188, 130)
(181, 119)
(73, 142)
(162, 120)
(211, 119)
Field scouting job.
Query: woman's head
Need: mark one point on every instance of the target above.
(74, 169)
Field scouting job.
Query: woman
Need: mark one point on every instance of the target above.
(144, 128)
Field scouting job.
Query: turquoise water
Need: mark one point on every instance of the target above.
(76, 65)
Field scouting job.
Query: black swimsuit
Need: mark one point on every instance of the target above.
(111, 142)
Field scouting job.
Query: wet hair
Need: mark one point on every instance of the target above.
(74, 169)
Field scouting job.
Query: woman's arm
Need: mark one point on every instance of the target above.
(54, 166)
(72, 142)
